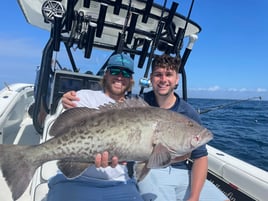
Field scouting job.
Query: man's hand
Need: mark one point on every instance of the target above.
(102, 160)
(68, 98)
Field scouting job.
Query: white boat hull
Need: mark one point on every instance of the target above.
(240, 176)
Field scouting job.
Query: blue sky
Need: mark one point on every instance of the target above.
(229, 59)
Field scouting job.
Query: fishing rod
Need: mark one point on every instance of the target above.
(121, 37)
(217, 107)
(158, 32)
(7, 86)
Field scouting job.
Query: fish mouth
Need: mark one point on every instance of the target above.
(203, 135)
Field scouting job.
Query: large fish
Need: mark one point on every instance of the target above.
(131, 130)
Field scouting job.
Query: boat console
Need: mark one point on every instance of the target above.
(64, 81)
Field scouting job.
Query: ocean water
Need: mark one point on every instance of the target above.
(240, 128)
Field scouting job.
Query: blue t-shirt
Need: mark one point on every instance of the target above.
(186, 109)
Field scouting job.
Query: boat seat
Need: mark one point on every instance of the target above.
(63, 81)
(40, 193)
(48, 169)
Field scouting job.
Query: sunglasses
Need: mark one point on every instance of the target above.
(117, 71)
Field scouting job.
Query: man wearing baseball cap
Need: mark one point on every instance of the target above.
(100, 182)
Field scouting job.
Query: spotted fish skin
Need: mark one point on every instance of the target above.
(131, 130)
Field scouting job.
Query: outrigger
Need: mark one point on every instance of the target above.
(137, 27)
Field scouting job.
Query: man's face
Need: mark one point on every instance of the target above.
(164, 80)
(116, 83)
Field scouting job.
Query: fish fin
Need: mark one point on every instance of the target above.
(72, 169)
(132, 102)
(135, 101)
(70, 117)
(75, 116)
(16, 168)
(160, 157)
(141, 170)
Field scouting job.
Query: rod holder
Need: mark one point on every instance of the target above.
(90, 39)
(131, 28)
(56, 33)
(117, 6)
(144, 52)
(171, 14)
(69, 14)
(178, 40)
(120, 43)
(147, 11)
(86, 3)
(101, 19)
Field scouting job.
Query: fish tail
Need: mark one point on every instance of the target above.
(16, 168)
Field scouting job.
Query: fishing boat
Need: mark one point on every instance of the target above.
(139, 28)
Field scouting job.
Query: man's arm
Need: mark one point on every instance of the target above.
(68, 99)
(199, 175)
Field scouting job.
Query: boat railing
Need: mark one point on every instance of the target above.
(15, 120)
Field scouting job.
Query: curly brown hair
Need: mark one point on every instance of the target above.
(166, 61)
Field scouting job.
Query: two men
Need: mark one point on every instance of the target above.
(178, 181)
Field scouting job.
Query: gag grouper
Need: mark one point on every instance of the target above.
(131, 130)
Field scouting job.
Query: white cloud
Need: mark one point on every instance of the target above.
(232, 89)
(214, 88)
(243, 90)
(232, 93)
(218, 88)
(261, 90)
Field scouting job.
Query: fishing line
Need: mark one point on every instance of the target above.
(217, 107)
